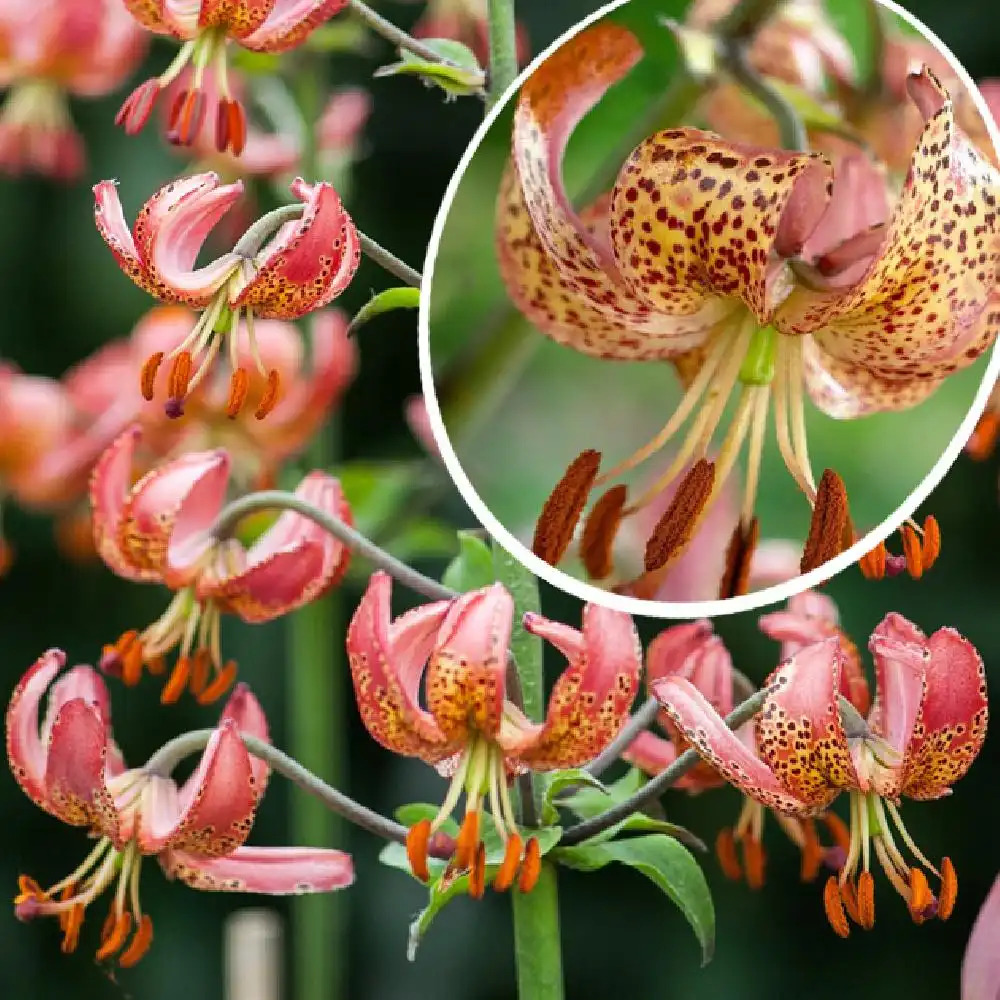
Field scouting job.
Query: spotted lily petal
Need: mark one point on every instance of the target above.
(290, 23)
(274, 871)
(212, 812)
(800, 735)
(951, 725)
(591, 699)
(387, 660)
(173, 17)
(692, 651)
(237, 17)
(717, 744)
(580, 264)
(465, 676)
(927, 305)
(308, 263)
(292, 563)
(246, 711)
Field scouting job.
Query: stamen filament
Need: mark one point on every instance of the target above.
(907, 839)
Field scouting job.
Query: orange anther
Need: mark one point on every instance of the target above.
(931, 547)
(812, 852)
(147, 378)
(725, 851)
(921, 898)
(139, 945)
(64, 915)
(114, 937)
(754, 861)
(829, 523)
(28, 888)
(834, 907)
(674, 529)
(849, 898)
(237, 127)
(187, 117)
(222, 125)
(477, 872)
(180, 375)
(201, 663)
(239, 383)
(872, 564)
(177, 682)
(866, 900)
(949, 889)
(599, 530)
(531, 866)
(561, 512)
(71, 928)
(739, 556)
(912, 552)
(466, 841)
(156, 665)
(130, 651)
(220, 684)
(416, 849)
(269, 400)
(504, 877)
(984, 438)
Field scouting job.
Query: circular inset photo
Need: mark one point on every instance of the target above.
(730, 288)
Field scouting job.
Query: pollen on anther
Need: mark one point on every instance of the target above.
(912, 553)
(561, 512)
(417, 838)
(829, 522)
(931, 547)
(139, 944)
(219, 685)
(180, 376)
(239, 383)
(866, 900)
(921, 897)
(504, 877)
(177, 682)
(269, 399)
(466, 842)
(477, 872)
(599, 530)
(873, 564)
(754, 861)
(739, 557)
(725, 851)
(531, 866)
(949, 889)
(674, 529)
(114, 937)
(834, 907)
(147, 378)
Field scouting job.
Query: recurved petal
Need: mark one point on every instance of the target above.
(800, 735)
(695, 218)
(115, 232)
(166, 17)
(26, 750)
(213, 811)
(465, 676)
(717, 744)
(566, 261)
(951, 724)
(165, 521)
(248, 714)
(81, 682)
(901, 655)
(78, 749)
(809, 617)
(274, 871)
(109, 493)
(919, 311)
(290, 23)
(387, 660)
(309, 262)
(150, 14)
(591, 698)
(170, 233)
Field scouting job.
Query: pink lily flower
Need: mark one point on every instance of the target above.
(69, 765)
(306, 264)
(696, 258)
(925, 728)
(206, 28)
(981, 965)
(159, 531)
(51, 50)
(470, 730)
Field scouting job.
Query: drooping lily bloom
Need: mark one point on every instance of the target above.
(926, 726)
(694, 653)
(470, 730)
(695, 257)
(159, 531)
(981, 965)
(256, 448)
(206, 27)
(68, 764)
(51, 50)
(301, 267)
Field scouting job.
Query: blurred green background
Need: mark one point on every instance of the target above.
(63, 296)
(563, 402)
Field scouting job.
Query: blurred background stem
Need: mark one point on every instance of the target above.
(503, 47)
(316, 693)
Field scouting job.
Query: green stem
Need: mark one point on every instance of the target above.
(537, 948)
(316, 700)
(503, 47)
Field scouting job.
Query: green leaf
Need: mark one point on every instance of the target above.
(472, 568)
(562, 780)
(459, 76)
(392, 298)
(668, 864)
(445, 886)
(589, 802)
(526, 648)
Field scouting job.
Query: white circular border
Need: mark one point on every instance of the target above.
(633, 605)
